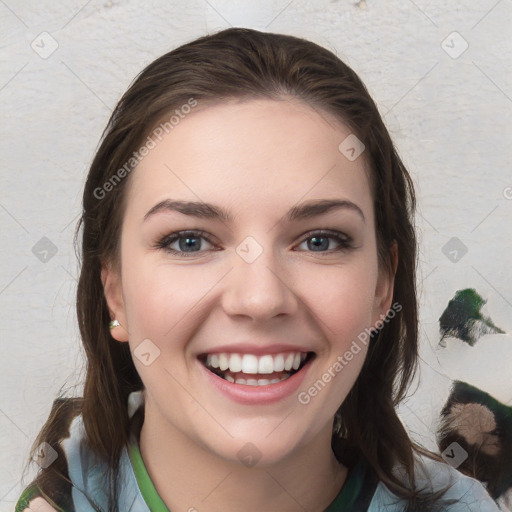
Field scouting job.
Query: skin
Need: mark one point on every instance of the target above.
(257, 159)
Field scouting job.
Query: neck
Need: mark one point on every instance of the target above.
(191, 478)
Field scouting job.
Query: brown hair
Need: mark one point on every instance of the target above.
(242, 64)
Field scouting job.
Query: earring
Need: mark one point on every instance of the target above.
(113, 323)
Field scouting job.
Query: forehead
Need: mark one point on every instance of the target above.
(252, 154)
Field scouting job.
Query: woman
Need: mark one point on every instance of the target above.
(247, 298)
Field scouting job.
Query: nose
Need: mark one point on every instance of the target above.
(260, 289)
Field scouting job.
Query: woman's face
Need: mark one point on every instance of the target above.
(261, 279)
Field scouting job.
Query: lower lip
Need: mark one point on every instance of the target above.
(257, 395)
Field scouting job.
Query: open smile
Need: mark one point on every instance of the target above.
(255, 370)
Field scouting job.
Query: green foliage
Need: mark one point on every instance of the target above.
(463, 318)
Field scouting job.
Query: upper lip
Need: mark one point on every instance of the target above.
(256, 348)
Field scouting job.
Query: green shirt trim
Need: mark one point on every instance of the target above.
(147, 489)
(347, 497)
(350, 491)
(31, 492)
(26, 497)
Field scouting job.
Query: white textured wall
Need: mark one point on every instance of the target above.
(449, 115)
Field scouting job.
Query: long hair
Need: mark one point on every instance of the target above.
(243, 64)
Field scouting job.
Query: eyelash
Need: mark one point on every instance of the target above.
(344, 241)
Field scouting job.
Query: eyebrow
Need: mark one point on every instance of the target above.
(301, 211)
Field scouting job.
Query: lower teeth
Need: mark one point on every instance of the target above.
(256, 382)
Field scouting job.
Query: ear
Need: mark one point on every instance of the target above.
(112, 287)
(385, 285)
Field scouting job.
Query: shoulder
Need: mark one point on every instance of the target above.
(78, 479)
(57, 456)
(32, 501)
(468, 491)
(39, 505)
(464, 494)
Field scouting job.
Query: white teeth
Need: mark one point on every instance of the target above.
(256, 365)
(249, 364)
(235, 363)
(262, 382)
(256, 382)
(223, 362)
(279, 363)
(212, 360)
(266, 365)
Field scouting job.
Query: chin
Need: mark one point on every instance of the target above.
(248, 450)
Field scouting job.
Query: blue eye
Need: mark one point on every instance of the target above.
(189, 243)
(319, 241)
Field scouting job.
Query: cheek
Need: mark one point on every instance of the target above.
(165, 301)
(158, 303)
(342, 297)
(156, 300)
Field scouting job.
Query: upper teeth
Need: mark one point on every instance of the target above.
(250, 363)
